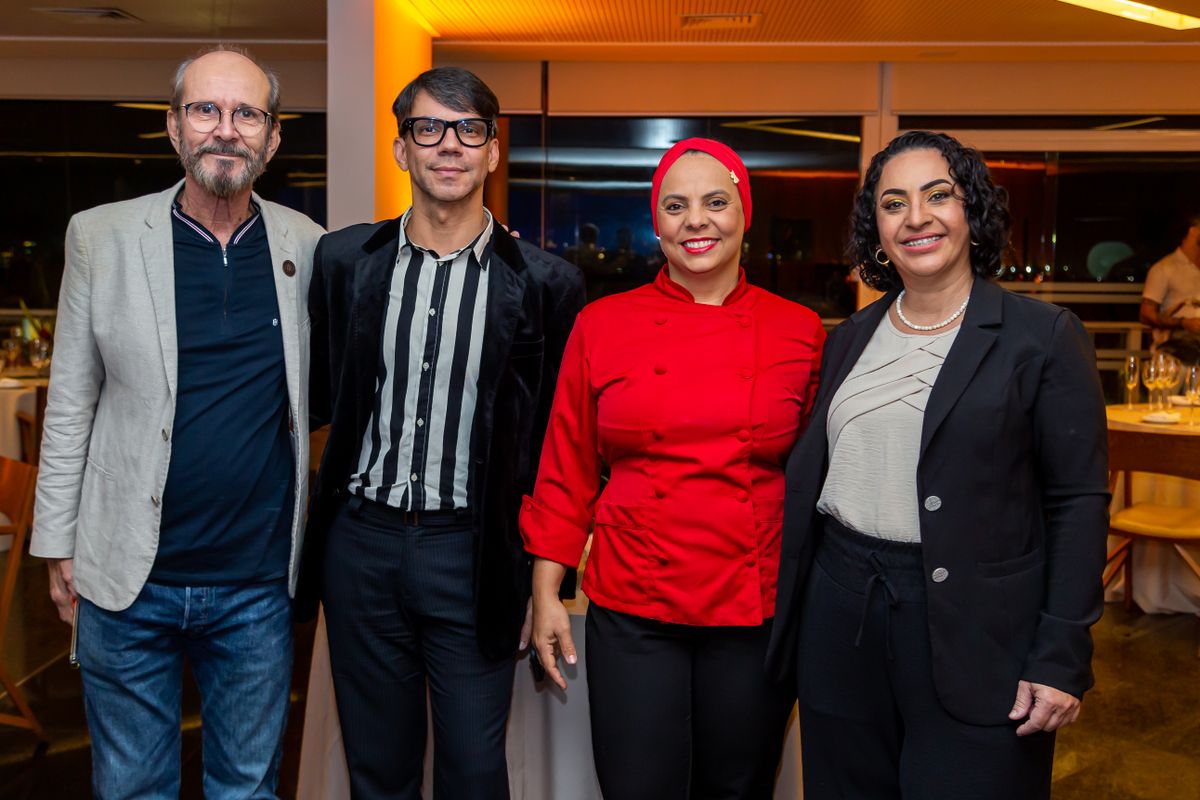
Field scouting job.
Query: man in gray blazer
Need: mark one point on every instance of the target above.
(175, 457)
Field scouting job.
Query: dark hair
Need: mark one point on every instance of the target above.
(984, 203)
(272, 79)
(453, 87)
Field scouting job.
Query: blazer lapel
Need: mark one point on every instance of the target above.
(372, 281)
(975, 338)
(287, 292)
(158, 259)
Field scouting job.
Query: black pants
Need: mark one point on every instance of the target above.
(871, 725)
(681, 711)
(399, 607)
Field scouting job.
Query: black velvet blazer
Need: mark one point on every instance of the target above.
(533, 298)
(1012, 495)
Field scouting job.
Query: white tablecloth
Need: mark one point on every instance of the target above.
(13, 400)
(1162, 583)
(549, 737)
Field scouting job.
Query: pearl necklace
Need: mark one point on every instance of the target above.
(934, 326)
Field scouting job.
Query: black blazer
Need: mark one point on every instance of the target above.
(1012, 495)
(533, 298)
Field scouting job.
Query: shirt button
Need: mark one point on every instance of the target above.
(413, 477)
(420, 423)
(743, 496)
(275, 322)
(660, 369)
(433, 312)
(660, 320)
(747, 373)
(425, 366)
(743, 435)
(933, 503)
(940, 574)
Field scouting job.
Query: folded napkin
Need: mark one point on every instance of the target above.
(10, 383)
(1163, 417)
(1180, 400)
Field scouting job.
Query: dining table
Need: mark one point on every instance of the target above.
(1162, 583)
(16, 395)
(549, 744)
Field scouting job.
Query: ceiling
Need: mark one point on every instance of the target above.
(634, 29)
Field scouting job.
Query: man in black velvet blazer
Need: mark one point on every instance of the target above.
(436, 344)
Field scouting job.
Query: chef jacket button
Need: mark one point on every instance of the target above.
(660, 369)
(743, 496)
(660, 320)
(940, 574)
(747, 373)
(933, 503)
(750, 560)
(289, 268)
(744, 322)
(743, 435)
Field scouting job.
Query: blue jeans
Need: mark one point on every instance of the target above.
(238, 642)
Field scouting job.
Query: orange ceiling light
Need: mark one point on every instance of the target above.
(1139, 12)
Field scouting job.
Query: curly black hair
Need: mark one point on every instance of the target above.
(985, 205)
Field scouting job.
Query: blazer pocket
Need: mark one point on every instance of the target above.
(527, 348)
(1011, 566)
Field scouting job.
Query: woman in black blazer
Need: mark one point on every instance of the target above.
(945, 522)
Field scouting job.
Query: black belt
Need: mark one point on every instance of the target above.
(391, 516)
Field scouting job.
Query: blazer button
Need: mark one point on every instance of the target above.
(660, 320)
(743, 496)
(289, 268)
(660, 369)
(749, 561)
(743, 435)
(940, 574)
(933, 503)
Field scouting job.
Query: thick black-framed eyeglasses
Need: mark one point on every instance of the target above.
(205, 115)
(429, 131)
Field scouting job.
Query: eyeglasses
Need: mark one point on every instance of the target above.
(205, 116)
(429, 131)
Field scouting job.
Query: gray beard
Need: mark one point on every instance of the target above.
(223, 182)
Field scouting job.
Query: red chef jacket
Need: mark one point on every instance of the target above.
(694, 408)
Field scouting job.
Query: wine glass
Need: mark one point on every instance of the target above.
(1191, 388)
(1169, 374)
(1150, 378)
(1130, 375)
(39, 353)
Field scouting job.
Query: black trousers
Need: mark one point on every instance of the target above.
(682, 712)
(871, 725)
(399, 608)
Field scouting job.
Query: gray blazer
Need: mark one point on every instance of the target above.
(111, 405)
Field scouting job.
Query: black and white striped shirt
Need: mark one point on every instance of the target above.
(416, 451)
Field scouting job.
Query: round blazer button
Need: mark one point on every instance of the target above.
(743, 496)
(743, 435)
(660, 369)
(749, 561)
(289, 268)
(933, 503)
(940, 574)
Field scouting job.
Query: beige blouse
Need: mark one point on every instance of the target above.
(874, 431)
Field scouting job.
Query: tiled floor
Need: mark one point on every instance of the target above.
(1138, 738)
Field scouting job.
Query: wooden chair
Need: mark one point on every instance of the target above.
(17, 482)
(1176, 455)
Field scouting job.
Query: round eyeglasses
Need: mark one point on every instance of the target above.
(429, 131)
(205, 116)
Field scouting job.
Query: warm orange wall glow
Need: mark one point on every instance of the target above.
(403, 50)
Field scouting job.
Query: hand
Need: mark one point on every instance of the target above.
(1052, 709)
(1190, 324)
(527, 625)
(551, 631)
(62, 587)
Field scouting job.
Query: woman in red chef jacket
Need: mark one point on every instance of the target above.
(692, 390)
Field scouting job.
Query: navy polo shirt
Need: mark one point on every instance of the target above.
(227, 506)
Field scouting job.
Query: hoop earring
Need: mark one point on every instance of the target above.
(883, 262)
(975, 243)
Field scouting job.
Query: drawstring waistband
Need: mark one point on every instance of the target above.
(878, 577)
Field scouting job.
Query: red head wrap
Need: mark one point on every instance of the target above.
(722, 153)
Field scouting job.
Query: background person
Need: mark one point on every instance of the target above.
(945, 530)
(692, 390)
(1171, 298)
